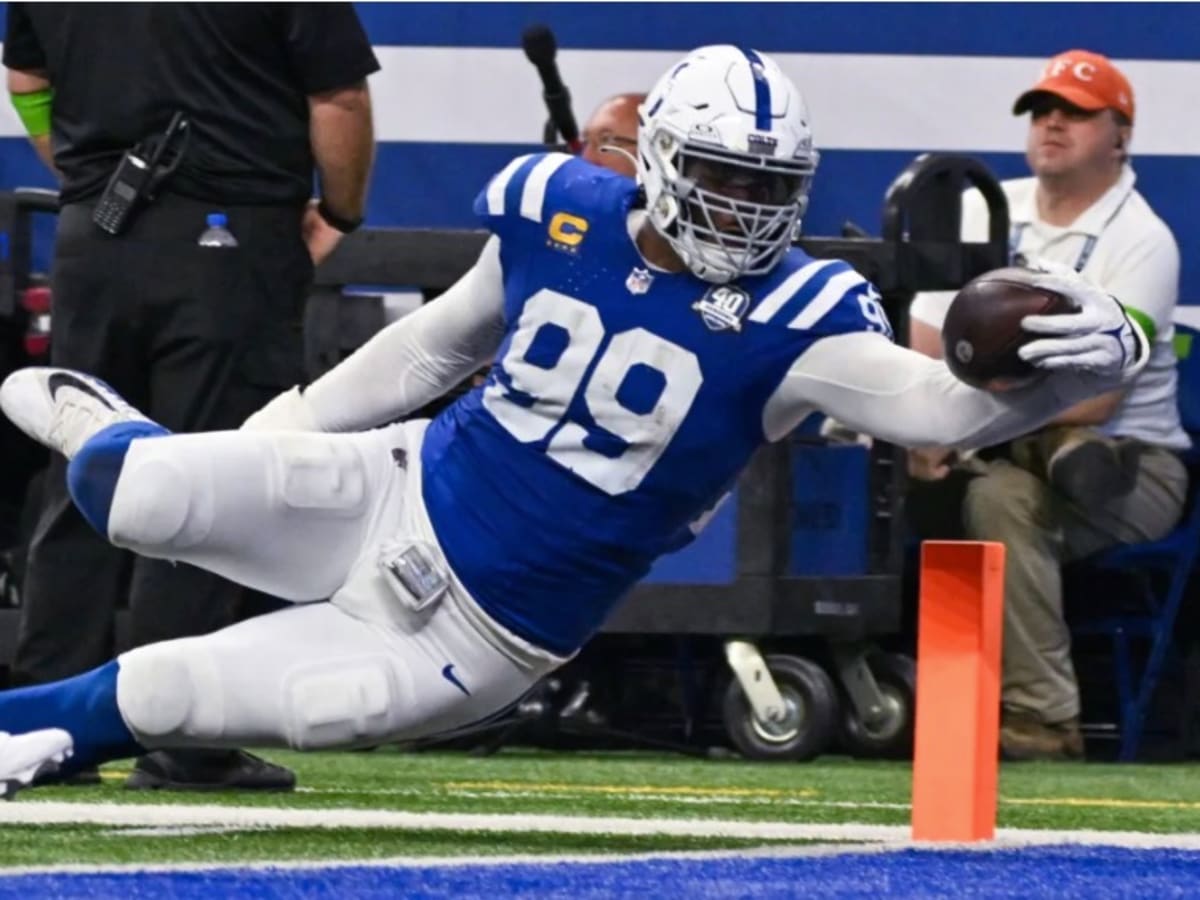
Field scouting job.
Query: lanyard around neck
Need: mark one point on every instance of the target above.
(1016, 258)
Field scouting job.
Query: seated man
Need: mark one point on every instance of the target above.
(643, 353)
(1104, 471)
(610, 135)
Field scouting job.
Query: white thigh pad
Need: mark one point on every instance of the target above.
(170, 690)
(336, 703)
(160, 501)
(319, 474)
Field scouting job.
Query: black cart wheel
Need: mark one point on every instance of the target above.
(891, 735)
(810, 713)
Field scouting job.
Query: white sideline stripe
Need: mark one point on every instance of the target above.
(61, 813)
(448, 862)
(140, 815)
(1187, 315)
(773, 302)
(833, 291)
(857, 101)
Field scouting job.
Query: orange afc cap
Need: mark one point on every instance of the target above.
(1088, 80)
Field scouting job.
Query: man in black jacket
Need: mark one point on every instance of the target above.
(260, 95)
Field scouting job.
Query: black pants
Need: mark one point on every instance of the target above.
(195, 337)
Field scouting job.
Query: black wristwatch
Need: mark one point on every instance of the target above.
(345, 226)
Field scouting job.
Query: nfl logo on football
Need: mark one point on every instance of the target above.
(724, 306)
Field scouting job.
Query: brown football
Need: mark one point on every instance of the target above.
(982, 331)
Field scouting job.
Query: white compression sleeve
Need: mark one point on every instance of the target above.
(419, 357)
(895, 394)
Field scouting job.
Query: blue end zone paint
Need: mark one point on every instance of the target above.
(1091, 872)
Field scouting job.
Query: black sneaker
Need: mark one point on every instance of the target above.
(208, 770)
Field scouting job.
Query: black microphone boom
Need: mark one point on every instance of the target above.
(541, 48)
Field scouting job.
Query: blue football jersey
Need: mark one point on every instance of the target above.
(622, 404)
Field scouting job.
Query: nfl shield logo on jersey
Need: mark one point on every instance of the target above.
(639, 281)
(724, 306)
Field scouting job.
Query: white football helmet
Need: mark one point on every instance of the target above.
(726, 159)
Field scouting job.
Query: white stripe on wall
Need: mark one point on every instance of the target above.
(858, 101)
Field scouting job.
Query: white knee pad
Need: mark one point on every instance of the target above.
(320, 474)
(171, 690)
(160, 503)
(340, 703)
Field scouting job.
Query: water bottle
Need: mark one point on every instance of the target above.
(217, 234)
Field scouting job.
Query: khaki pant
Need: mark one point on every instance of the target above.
(1041, 531)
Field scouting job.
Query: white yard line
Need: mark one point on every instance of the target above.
(680, 799)
(765, 797)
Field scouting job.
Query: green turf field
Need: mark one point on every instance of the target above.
(529, 784)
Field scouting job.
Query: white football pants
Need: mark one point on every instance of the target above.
(303, 516)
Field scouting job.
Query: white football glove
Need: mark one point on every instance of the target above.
(1098, 338)
(288, 411)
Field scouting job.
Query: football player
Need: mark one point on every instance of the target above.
(648, 338)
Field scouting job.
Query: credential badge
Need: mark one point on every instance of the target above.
(723, 306)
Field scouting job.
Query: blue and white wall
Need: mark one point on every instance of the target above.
(456, 97)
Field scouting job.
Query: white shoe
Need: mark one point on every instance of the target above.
(62, 408)
(24, 757)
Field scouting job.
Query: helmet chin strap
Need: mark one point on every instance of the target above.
(707, 271)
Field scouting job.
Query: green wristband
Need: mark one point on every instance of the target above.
(33, 109)
(1144, 320)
